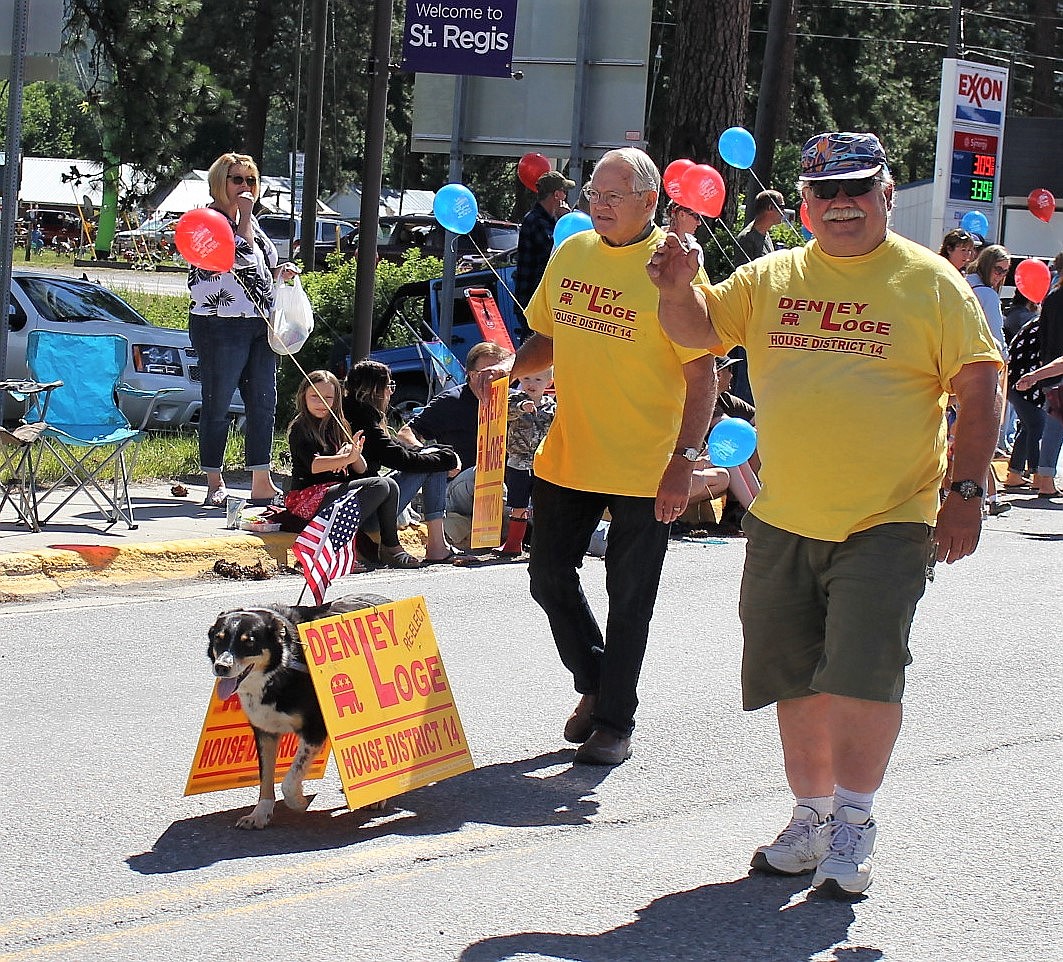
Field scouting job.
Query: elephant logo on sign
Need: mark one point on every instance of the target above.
(344, 695)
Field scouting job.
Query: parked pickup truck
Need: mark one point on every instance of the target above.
(412, 316)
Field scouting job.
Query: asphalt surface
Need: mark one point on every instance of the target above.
(529, 857)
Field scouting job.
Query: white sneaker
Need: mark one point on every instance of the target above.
(848, 864)
(798, 848)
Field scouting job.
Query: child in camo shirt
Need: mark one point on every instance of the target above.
(531, 412)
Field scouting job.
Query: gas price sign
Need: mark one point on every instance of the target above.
(974, 168)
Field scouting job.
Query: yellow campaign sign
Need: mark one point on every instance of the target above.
(388, 705)
(487, 501)
(226, 756)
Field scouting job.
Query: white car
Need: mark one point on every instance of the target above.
(331, 234)
(159, 357)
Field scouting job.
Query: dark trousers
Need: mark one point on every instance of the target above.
(608, 666)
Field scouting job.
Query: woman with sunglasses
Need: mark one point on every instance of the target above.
(368, 393)
(227, 325)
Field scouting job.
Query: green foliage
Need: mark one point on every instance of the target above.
(165, 310)
(53, 123)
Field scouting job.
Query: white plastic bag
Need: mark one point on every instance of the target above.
(292, 318)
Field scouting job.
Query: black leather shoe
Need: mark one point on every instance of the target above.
(603, 748)
(578, 728)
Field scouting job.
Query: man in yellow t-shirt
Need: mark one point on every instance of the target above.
(854, 343)
(632, 411)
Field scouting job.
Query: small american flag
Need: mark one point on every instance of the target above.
(325, 549)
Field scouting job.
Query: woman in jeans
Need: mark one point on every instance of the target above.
(227, 326)
(369, 390)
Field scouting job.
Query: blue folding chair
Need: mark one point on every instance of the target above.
(86, 431)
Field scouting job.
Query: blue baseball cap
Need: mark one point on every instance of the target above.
(842, 156)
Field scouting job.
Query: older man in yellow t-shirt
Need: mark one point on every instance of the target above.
(632, 411)
(854, 342)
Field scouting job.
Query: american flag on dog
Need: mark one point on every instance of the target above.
(325, 549)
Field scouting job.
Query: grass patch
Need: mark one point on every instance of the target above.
(174, 457)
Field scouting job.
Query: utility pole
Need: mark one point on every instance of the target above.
(378, 67)
(770, 100)
(312, 145)
(955, 22)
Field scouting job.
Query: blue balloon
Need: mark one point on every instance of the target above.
(732, 442)
(806, 233)
(455, 208)
(738, 148)
(571, 223)
(975, 222)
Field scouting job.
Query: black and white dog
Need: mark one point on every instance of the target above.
(257, 655)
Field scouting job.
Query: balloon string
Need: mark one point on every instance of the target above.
(716, 240)
(491, 268)
(306, 377)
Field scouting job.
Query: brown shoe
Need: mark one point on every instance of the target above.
(603, 748)
(578, 728)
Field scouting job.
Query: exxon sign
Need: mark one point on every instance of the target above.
(979, 97)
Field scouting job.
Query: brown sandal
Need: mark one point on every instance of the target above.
(398, 557)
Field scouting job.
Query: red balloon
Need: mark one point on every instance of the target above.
(531, 167)
(1032, 278)
(701, 189)
(205, 239)
(673, 176)
(804, 218)
(1042, 204)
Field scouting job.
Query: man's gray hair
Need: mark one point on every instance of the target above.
(646, 174)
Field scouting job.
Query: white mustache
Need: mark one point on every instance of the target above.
(843, 213)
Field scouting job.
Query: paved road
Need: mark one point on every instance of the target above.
(150, 282)
(529, 857)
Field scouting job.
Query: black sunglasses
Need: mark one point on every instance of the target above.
(240, 179)
(828, 189)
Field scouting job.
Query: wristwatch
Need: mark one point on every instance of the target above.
(692, 454)
(966, 489)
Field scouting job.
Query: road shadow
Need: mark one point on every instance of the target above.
(760, 917)
(519, 794)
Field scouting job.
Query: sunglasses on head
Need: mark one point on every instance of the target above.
(240, 179)
(828, 189)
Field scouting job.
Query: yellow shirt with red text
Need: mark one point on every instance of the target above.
(851, 361)
(619, 378)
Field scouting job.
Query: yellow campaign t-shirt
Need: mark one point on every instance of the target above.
(618, 376)
(851, 361)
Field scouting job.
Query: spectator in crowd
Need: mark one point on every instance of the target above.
(1021, 312)
(957, 247)
(451, 418)
(632, 412)
(227, 327)
(754, 240)
(369, 389)
(328, 463)
(683, 222)
(531, 412)
(536, 238)
(833, 660)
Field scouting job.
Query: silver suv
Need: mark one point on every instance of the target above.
(332, 234)
(159, 357)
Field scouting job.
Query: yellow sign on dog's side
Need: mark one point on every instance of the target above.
(226, 756)
(388, 705)
(487, 501)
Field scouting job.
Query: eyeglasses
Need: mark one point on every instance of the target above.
(240, 179)
(828, 189)
(610, 198)
(1000, 269)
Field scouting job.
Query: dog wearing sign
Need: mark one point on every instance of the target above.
(257, 654)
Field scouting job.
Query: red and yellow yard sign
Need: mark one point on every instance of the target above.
(490, 466)
(226, 756)
(388, 705)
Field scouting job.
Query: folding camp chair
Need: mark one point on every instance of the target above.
(18, 481)
(85, 429)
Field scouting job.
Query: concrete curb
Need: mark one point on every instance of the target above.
(44, 572)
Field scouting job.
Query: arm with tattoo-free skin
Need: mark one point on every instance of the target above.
(534, 355)
(673, 492)
(959, 522)
(682, 309)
